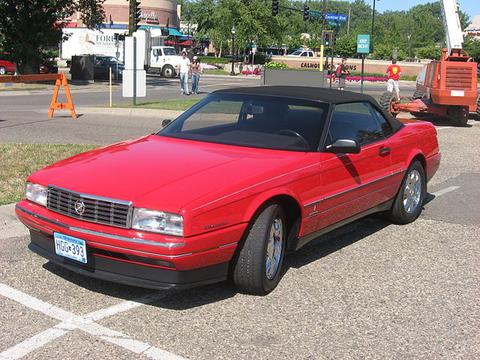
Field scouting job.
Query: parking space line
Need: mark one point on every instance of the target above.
(70, 321)
(445, 191)
(25, 347)
(124, 306)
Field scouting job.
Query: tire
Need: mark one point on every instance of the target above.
(251, 273)
(478, 107)
(168, 71)
(417, 95)
(386, 101)
(421, 115)
(405, 208)
(458, 115)
(3, 71)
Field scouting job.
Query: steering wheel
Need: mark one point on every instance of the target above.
(293, 132)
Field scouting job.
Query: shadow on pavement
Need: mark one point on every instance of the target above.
(191, 298)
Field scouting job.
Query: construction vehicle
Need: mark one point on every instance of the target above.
(447, 87)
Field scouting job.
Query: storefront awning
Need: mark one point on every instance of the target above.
(173, 32)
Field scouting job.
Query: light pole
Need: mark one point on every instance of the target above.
(233, 50)
(373, 24)
(409, 36)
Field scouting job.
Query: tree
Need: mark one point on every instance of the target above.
(30, 27)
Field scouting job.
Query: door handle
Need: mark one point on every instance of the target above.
(384, 151)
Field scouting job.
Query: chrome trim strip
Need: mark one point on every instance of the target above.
(355, 188)
(139, 251)
(227, 245)
(127, 239)
(102, 234)
(101, 198)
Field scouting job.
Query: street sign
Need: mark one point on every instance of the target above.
(363, 44)
(336, 17)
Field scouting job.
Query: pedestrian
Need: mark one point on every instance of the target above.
(393, 72)
(341, 73)
(195, 70)
(183, 69)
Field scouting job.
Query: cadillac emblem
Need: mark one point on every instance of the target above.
(79, 207)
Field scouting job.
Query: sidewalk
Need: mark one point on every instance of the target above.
(131, 112)
(10, 226)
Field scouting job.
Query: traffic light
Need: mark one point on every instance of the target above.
(275, 7)
(135, 14)
(306, 12)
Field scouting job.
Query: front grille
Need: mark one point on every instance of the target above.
(96, 209)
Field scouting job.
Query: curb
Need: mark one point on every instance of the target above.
(131, 112)
(10, 226)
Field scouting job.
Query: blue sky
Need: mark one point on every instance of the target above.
(471, 7)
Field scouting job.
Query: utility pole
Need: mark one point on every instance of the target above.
(322, 48)
(373, 23)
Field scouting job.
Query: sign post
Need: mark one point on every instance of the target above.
(363, 47)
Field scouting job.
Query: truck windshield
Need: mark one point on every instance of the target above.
(169, 51)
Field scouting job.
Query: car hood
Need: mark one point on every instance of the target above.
(165, 173)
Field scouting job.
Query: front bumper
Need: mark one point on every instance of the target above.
(128, 273)
(132, 257)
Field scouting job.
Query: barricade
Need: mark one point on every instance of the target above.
(60, 81)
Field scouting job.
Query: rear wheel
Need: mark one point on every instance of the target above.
(458, 115)
(3, 71)
(408, 203)
(258, 266)
(386, 102)
(168, 71)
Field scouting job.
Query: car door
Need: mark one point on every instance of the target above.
(354, 183)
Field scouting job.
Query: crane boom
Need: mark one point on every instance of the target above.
(453, 28)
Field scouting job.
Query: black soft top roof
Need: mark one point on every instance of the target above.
(331, 96)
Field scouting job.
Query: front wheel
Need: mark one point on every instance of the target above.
(258, 266)
(387, 100)
(168, 71)
(3, 71)
(409, 200)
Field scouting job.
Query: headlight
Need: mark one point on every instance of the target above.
(36, 193)
(157, 221)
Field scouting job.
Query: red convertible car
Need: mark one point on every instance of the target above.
(228, 188)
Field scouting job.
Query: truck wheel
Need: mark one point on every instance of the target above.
(258, 266)
(386, 103)
(3, 71)
(168, 71)
(421, 115)
(417, 95)
(408, 203)
(458, 115)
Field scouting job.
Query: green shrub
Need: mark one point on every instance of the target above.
(212, 60)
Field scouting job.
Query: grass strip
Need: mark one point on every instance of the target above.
(176, 104)
(18, 161)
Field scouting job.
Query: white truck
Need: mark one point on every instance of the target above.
(163, 60)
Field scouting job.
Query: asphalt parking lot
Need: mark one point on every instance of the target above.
(369, 290)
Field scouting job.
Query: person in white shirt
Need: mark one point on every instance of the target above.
(184, 69)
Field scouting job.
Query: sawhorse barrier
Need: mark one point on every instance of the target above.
(60, 81)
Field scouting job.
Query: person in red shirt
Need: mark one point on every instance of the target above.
(393, 72)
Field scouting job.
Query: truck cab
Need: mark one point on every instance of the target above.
(164, 60)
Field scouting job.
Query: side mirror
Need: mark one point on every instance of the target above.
(344, 146)
(166, 122)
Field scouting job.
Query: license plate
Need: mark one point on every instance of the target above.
(70, 247)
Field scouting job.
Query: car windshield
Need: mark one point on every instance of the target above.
(253, 121)
(169, 51)
(298, 52)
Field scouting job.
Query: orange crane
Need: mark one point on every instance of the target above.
(445, 87)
